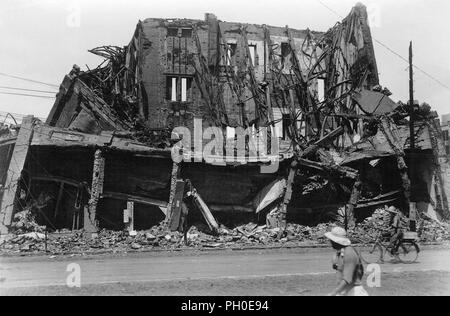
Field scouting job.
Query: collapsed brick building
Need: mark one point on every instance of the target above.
(309, 103)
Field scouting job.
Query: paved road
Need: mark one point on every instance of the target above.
(43, 271)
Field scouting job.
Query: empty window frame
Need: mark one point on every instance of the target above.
(186, 33)
(285, 52)
(287, 122)
(231, 54)
(252, 49)
(178, 88)
(172, 32)
(321, 89)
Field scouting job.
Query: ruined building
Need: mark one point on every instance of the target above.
(295, 123)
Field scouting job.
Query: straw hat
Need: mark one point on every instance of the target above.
(339, 236)
(393, 210)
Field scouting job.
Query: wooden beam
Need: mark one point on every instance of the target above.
(66, 181)
(339, 170)
(352, 204)
(209, 218)
(288, 193)
(14, 173)
(133, 198)
(329, 137)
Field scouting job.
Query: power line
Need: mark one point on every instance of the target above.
(30, 90)
(27, 95)
(29, 80)
(393, 52)
(15, 114)
(335, 12)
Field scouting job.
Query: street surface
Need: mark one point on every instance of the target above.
(252, 272)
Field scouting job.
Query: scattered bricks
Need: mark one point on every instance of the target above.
(136, 246)
(248, 235)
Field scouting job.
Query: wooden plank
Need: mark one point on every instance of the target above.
(14, 173)
(343, 171)
(206, 212)
(352, 203)
(288, 193)
(176, 205)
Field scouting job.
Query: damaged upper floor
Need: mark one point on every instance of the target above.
(229, 75)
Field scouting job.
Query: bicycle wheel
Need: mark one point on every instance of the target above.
(408, 252)
(371, 253)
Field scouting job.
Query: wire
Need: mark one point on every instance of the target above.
(31, 90)
(18, 116)
(394, 52)
(335, 12)
(29, 80)
(28, 95)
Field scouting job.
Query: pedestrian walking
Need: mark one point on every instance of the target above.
(348, 265)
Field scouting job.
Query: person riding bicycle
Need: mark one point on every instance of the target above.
(396, 228)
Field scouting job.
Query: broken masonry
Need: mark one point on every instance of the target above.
(102, 159)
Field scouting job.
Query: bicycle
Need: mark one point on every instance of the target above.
(408, 250)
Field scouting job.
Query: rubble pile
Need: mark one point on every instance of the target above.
(31, 238)
(158, 238)
(371, 227)
(431, 230)
(25, 222)
(428, 229)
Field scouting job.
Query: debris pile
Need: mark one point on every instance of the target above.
(433, 231)
(158, 238)
(249, 235)
(429, 230)
(25, 222)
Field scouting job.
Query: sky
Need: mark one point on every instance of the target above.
(42, 39)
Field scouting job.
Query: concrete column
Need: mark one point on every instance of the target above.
(14, 173)
(98, 175)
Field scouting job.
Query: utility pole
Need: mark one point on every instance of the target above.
(411, 98)
(412, 206)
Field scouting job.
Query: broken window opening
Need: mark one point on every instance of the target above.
(321, 89)
(186, 33)
(287, 122)
(231, 53)
(286, 53)
(172, 32)
(178, 89)
(252, 49)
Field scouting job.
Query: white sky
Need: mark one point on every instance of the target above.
(42, 39)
